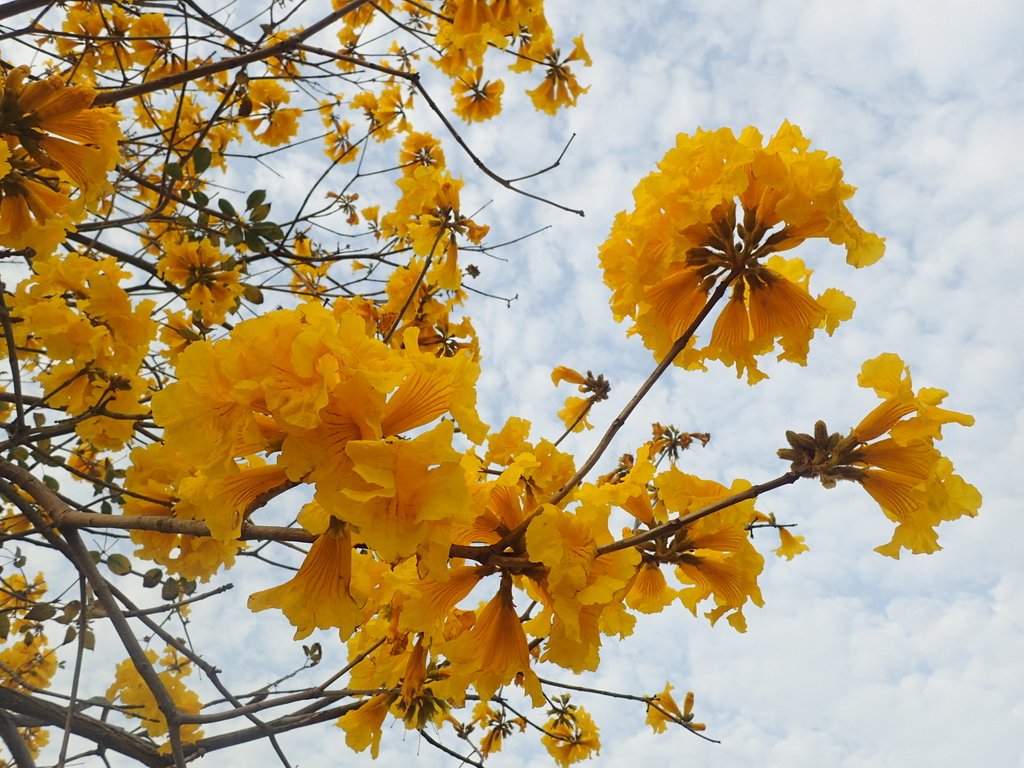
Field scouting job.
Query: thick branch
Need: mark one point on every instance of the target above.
(15, 744)
(15, 7)
(109, 736)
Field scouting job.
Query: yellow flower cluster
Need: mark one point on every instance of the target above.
(102, 39)
(89, 340)
(570, 734)
(716, 213)
(27, 663)
(452, 560)
(51, 141)
(139, 702)
(328, 400)
(464, 31)
(209, 285)
(270, 122)
(429, 217)
(892, 454)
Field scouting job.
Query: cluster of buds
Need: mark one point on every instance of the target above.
(828, 457)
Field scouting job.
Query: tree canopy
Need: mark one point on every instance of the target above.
(204, 375)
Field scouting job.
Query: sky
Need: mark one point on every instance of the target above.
(856, 659)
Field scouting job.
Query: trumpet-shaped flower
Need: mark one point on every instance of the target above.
(320, 595)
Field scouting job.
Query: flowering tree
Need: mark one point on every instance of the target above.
(161, 425)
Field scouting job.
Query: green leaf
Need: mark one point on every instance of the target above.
(51, 483)
(269, 230)
(259, 213)
(235, 236)
(174, 171)
(71, 611)
(226, 207)
(5, 625)
(201, 198)
(41, 612)
(252, 239)
(152, 577)
(255, 198)
(201, 158)
(105, 508)
(69, 635)
(119, 565)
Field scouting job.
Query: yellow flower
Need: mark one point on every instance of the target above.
(505, 444)
(429, 602)
(574, 413)
(362, 725)
(715, 557)
(571, 735)
(429, 217)
(789, 545)
(494, 652)
(152, 477)
(151, 47)
(320, 595)
(209, 287)
(435, 386)
(58, 129)
(27, 661)
(560, 88)
(580, 584)
(405, 495)
(649, 592)
(475, 100)
(498, 726)
(464, 42)
(912, 482)
(98, 39)
(225, 500)
(420, 149)
(271, 123)
(662, 709)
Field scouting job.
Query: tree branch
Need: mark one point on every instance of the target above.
(235, 62)
(55, 715)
